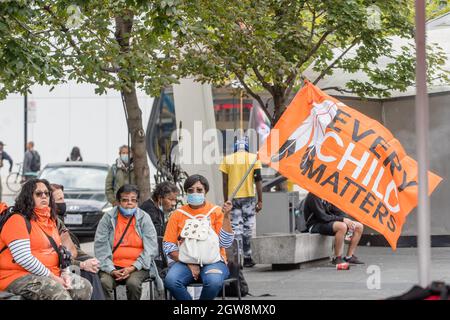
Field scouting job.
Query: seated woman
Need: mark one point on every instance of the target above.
(30, 262)
(162, 203)
(89, 266)
(126, 246)
(181, 274)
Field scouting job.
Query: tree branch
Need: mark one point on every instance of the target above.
(324, 72)
(263, 82)
(253, 94)
(342, 90)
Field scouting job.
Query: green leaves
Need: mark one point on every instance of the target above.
(40, 47)
(270, 43)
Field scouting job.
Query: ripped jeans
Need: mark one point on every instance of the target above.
(180, 276)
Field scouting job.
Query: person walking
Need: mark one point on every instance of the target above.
(245, 204)
(120, 173)
(31, 162)
(4, 157)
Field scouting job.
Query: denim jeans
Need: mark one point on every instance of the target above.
(180, 276)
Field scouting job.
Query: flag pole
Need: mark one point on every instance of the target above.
(244, 177)
(422, 123)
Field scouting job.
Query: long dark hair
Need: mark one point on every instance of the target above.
(75, 154)
(25, 202)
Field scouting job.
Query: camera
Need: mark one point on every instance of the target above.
(65, 257)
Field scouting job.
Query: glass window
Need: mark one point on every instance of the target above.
(76, 178)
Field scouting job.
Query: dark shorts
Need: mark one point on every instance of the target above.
(325, 228)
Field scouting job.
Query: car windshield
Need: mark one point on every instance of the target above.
(76, 178)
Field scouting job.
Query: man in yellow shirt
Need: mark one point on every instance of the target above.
(245, 206)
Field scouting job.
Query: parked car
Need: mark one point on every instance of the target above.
(84, 192)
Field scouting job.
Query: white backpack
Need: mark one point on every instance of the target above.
(201, 242)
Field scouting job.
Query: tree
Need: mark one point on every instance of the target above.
(268, 45)
(436, 8)
(114, 44)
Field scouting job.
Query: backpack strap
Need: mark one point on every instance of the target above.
(211, 211)
(114, 173)
(186, 214)
(123, 235)
(27, 223)
(203, 216)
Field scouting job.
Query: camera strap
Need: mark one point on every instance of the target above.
(123, 235)
(54, 245)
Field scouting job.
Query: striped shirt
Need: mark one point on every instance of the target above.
(21, 252)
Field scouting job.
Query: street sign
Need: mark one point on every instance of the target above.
(31, 112)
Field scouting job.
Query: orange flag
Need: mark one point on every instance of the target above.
(346, 158)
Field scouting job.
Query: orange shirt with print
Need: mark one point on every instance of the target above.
(177, 220)
(14, 229)
(131, 246)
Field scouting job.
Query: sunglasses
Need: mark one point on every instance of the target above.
(128, 200)
(40, 193)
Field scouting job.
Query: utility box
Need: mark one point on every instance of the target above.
(278, 213)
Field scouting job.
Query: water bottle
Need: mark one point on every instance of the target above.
(349, 235)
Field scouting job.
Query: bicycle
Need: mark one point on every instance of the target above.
(14, 179)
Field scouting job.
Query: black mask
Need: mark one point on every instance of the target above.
(61, 209)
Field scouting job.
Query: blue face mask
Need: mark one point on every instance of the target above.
(124, 158)
(195, 199)
(127, 212)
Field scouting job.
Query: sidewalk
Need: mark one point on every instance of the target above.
(398, 273)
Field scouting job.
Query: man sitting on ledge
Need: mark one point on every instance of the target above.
(324, 218)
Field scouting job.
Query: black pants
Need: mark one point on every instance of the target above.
(94, 279)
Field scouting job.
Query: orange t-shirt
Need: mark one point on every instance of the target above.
(177, 220)
(132, 245)
(14, 229)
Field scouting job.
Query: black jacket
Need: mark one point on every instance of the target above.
(157, 217)
(320, 211)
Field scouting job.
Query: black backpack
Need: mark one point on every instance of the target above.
(231, 290)
(35, 165)
(5, 215)
(436, 291)
(300, 219)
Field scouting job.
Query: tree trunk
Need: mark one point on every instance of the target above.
(278, 105)
(138, 146)
(124, 25)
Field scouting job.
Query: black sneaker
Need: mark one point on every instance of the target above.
(353, 260)
(337, 260)
(249, 263)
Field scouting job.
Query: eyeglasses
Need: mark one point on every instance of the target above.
(129, 200)
(40, 193)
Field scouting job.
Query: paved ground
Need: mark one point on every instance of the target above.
(397, 274)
